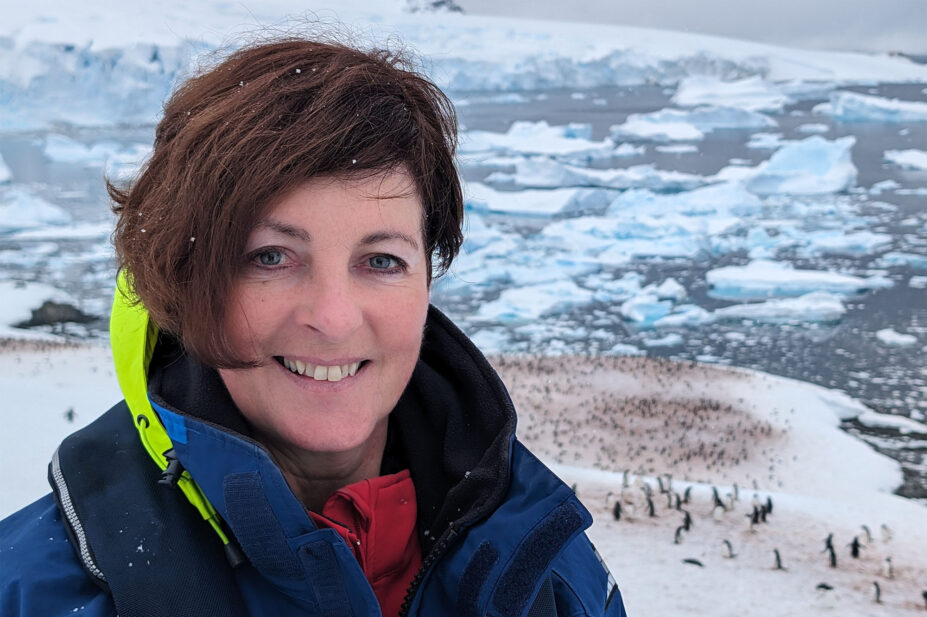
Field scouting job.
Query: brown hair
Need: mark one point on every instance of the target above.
(265, 120)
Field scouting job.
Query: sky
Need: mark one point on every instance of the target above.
(857, 25)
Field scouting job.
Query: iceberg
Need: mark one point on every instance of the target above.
(21, 209)
(537, 138)
(685, 316)
(818, 306)
(909, 159)
(523, 304)
(725, 198)
(836, 242)
(897, 258)
(854, 107)
(688, 125)
(888, 336)
(764, 279)
(544, 172)
(811, 166)
(531, 202)
(752, 93)
(645, 308)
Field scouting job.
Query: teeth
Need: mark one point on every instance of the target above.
(322, 373)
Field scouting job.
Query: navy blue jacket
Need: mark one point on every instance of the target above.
(500, 534)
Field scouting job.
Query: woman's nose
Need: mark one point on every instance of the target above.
(331, 307)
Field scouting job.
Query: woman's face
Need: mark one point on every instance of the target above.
(331, 302)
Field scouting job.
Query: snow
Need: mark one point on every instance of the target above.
(811, 166)
(909, 159)
(763, 278)
(19, 300)
(20, 208)
(903, 425)
(888, 336)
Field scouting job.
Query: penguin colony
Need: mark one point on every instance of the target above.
(569, 417)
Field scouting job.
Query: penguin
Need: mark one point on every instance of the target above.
(650, 510)
(730, 501)
(756, 500)
(687, 494)
(888, 570)
(616, 511)
(824, 587)
(678, 501)
(624, 479)
(886, 534)
(608, 497)
(718, 502)
(694, 562)
(669, 481)
(924, 595)
(779, 565)
(878, 592)
(718, 514)
(762, 514)
(768, 504)
(687, 520)
(828, 543)
(736, 492)
(669, 500)
(660, 483)
(69, 414)
(833, 556)
(730, 550)
(678, 537)
(854, 547)
(868, 539)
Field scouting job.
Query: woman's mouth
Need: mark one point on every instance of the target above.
(320, 372)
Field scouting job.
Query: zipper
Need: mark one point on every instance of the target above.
(436, 552)
(70, 513)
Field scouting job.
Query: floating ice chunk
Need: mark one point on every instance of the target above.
(623, 349)
(812, 166)
(685, 316)
(918, 282)
(884, 185)
(22, 209)
(836, 242)
(645, 308)
(77, 231)
(753, 93)
(897, 258)
(522, 304)
(765, 279)
(531, 202)
(766, 141)
(491, 340)
(888, 336)
(903, 425)
(670, 340)
(544, 172)
(614, 290)
(688, 125)
(854, 107)
(818, 306)
(5, 174)
(909, 159)
(537, 138)
(670, 289)
(677, 149)
(813, 127)
(725, 198)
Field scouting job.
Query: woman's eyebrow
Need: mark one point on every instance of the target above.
(286, 230)
(382, 236)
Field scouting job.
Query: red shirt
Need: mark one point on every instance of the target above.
(376, 517)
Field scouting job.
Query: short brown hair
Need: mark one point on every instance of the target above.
(265, 120)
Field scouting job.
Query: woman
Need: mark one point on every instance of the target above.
(302, 434)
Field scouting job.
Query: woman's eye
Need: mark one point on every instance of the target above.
(383, 262)
(269, 258)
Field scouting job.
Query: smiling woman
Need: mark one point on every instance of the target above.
(337, 445)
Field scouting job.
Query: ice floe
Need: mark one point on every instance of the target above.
(899, 258)
(889, 336)
(855, 107)
(544, 172)
(688, 125)
(753, 93)
(765, 279)
(670, 340)
(818, 306)
(19, 300)
(909, 159)
(482, 198)
(571, 140)
(20, 208)
(5, 174)
(811, 166)
(521, 304)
